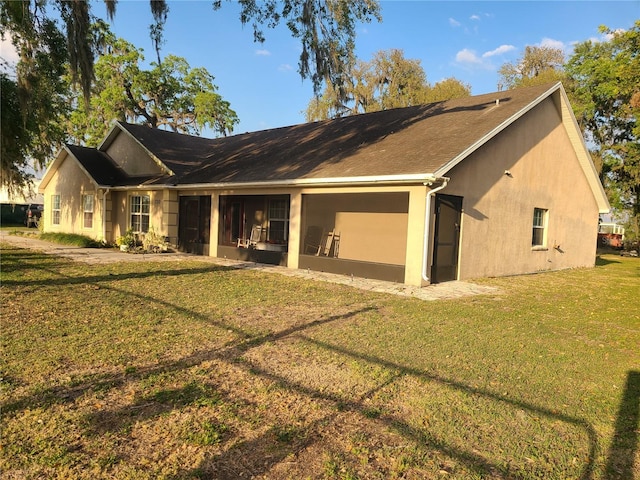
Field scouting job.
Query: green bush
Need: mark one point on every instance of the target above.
(70, 239)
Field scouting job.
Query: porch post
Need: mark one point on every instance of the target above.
(170, 208)
(213, 227)
(295, 222)
(415, 236)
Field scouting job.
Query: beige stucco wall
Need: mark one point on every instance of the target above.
(71, 183)
(159, 218)
(131, 156)
(498, 209)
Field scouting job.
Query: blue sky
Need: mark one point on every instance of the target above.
(466, 40)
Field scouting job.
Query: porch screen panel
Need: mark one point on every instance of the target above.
(372, 227)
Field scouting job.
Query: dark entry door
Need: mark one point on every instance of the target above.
(446, 238)
(194, 224)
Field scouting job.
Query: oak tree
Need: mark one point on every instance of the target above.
(33, 96)
(388, 80)
(537, 65)
(604, 78)
(169, 95)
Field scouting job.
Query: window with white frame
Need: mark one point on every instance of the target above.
(140, 208)
(540, 221)
(278, 220)
(55, 209)
(87, 211)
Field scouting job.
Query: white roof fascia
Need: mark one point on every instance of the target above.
(112, 135)
(442, 171)
(582, 152)
(318, 182)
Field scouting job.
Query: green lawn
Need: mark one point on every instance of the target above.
(188, 370)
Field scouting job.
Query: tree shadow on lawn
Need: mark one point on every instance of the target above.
(110, 277)
(167, 400)
(246, 454)
(625, 439)
(25, 259)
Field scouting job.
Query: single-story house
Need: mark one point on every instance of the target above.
(489, 185)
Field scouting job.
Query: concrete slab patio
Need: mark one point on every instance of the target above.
(441, 291)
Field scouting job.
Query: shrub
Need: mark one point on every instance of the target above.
(70, 239)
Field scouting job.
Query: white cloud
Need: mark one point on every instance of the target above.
(264, 53)
(551, 43)
(471, 59)
(467, 56)
(285, 67)
(454, 23)
(474, 17)
(498, 51)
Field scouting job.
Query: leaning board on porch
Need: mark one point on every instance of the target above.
(329, 244)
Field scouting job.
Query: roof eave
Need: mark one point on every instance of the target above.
(412, 179)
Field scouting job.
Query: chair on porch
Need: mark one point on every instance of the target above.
(312, 240)
(254, 238)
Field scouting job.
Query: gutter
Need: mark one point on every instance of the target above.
(318, 182)
(427, 223)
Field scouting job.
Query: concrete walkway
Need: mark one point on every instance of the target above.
(447, 290)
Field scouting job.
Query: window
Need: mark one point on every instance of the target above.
(278, 221)
(539, 237)
(55, 209)
(140, 206)
(87, 210)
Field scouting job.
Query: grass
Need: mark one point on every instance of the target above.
(55, 237)
(188, 370)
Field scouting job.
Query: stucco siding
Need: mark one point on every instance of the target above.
(131, 157)
(542, 172)
(70, 182)
(159, 218)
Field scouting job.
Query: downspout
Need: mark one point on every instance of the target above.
(427, 223)
(104, 214)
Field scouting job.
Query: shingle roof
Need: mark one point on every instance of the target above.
(404, 141)
(98, 164)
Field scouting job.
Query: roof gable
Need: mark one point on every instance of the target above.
(131, 154)
(62, 156)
